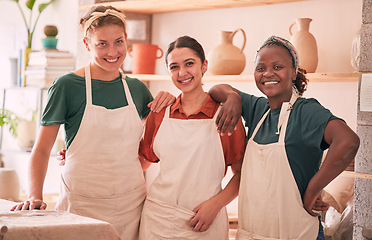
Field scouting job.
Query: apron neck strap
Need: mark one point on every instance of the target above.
(126, 88)
(167, 111)
(217, 112)
(88, 85)
(88, 88)
(260, 123)
(284, 115)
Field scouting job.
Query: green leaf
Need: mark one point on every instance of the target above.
(17, 1)
(9, 118)
(42, 6)
(30, 4)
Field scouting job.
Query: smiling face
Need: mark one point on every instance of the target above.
(274, 74)
(108, 47)
(186, 69)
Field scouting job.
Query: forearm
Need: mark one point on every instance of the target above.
(220, 92)
(338, 158)
(37, 172)
(229, 193)
(40, 159)
(207, 211)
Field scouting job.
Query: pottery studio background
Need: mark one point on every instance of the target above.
(334, 25)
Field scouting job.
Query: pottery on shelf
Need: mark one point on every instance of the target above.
(144, 57)
(9, 184)
(26, 132)
(305, 44)
(226, 58)
(50, 41)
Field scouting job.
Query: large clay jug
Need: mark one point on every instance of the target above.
(305, 44)
(144, 57)
(225, 58)
(26, 132)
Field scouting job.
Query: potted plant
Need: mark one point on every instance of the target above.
(21, 129)
(30, 27)
(9, 183)
(50, 41)
(10, 119)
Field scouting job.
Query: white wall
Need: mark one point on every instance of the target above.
(62, 13)
(334, 25)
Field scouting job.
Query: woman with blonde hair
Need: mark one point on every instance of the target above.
(101, 110)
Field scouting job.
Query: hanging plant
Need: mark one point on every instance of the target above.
(29, 25)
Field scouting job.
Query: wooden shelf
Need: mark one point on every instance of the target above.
(356, 175)
(164, 6)
(313, 77)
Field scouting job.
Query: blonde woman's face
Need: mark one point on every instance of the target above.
(108, 47)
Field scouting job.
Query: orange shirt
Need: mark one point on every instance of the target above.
(233, 146)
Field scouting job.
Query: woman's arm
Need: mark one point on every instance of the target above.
(344, 144)
(38, 168)
(208, 210)
(232, 107)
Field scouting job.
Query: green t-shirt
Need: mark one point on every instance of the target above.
(67, 100)
(304, 143)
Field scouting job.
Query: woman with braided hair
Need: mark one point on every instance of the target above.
(101, 110)
(280, 179)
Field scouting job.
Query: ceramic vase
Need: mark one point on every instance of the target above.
(226, 58)
(305, 44)
(26, 132)
(144, 57)
(9, 184)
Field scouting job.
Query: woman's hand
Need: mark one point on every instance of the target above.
(30, 204)
(61, 158)
(205, 215)
(229, 114)
(314, 204)
(320, 205)
(162, 100)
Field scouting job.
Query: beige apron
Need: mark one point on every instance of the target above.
(270, 204)
(192, 167)
(103, 177)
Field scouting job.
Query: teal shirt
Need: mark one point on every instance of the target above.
(67, 100)
(304, 143)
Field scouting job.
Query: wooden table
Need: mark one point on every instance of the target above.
(48, 224)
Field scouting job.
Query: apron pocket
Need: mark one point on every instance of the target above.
(163, 221)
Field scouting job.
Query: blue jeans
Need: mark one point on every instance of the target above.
(320, 236)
